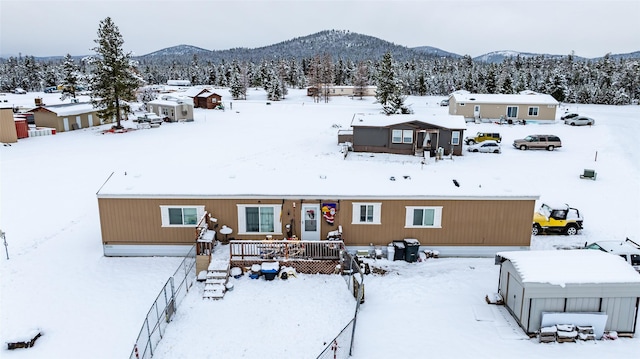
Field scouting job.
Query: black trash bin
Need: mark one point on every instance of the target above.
(399, 248)
(412, 247)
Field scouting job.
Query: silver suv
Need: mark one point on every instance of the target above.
(548, 142)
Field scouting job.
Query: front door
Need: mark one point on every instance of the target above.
(310, 222)
(476, 111)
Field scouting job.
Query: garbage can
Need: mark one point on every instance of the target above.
(412, 247)
(398, 248)
(390, 252)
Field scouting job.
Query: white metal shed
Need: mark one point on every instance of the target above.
(569, 281)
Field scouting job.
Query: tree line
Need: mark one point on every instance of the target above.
(602, 81)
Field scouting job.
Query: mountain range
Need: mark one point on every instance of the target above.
(336, 43)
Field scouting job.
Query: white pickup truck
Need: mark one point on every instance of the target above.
(151, 118)
(627, 249)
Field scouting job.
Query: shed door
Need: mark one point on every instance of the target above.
(515, 292)
(310, 226)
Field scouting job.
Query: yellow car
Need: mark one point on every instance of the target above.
(560, 219)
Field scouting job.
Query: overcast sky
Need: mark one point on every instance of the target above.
(474, 27)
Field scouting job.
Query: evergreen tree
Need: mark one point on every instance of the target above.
(390, 92)
(70, 73)
(113, 80)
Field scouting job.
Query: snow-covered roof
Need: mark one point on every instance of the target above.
(541, 99)
(171, 103)
(71, 109)
(381, 120)
(247, 183)
(580, 266)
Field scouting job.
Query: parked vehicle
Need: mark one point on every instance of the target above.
(580, 121)
(489, 146)
(19, 91)
(549, 142)
(628, 249)
(444, 102)
(569, 115)
(151, 118)
(483, 136)
(560, 219)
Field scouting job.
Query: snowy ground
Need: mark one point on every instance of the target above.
(91, 306)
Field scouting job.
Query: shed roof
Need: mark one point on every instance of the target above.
(70, 109)
(580, 266)
(380, 120)
(541, 99)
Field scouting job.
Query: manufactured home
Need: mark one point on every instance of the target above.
(332, 90)
(408, 134)
(156, 213)
(173, 110)
(512, 108)
(580, 287)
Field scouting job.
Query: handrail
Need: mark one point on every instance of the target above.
(284, 249)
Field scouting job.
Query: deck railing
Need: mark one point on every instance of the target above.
(284, 249)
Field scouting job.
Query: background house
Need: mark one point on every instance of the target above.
(66, 117)
(574, 282)
(173, 109)
(408, 134)
(527, 106)
(8, 131)
(332, 90)
(207, 99)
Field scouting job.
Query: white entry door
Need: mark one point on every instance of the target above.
(476, 111)
(310, 226)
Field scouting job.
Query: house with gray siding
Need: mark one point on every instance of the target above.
(408, 134)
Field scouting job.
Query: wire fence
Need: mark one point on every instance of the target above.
(164, 307)
(342, 345)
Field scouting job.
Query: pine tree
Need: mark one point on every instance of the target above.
(390, 90)
(70, 73)
(113, 80)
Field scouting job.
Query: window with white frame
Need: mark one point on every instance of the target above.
(181, 216)
(423, 217)
(533, 111)
(455, 138)
(366, 213)
(259, 219)
(512, 111)
(402, 136)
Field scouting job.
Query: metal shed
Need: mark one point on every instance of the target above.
(534, 283)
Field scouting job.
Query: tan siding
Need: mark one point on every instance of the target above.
(464, 222)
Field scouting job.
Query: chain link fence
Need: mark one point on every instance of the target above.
(341, 346)
(163, 308)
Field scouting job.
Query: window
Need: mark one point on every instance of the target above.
(402, 136)
(366, 213)
(512, 111)
(423, 217)
(533, 111)
(259, 219)
(455, 138)
(177, 216)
